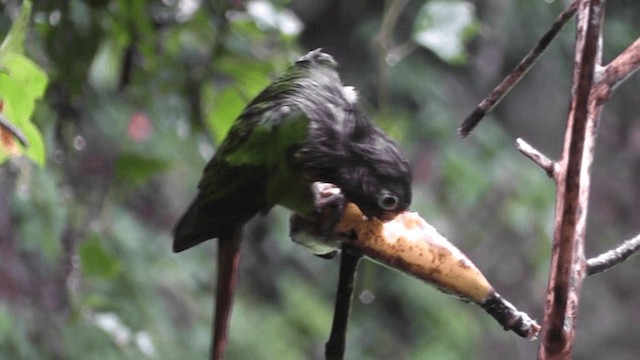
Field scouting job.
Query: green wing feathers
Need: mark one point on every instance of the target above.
(238, 182)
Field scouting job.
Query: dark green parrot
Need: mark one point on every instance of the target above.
(305, 127)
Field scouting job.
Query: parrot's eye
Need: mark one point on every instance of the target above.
(388, 202)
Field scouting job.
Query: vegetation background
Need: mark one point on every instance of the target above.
(140, 93)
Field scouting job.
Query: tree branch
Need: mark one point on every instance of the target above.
(617, 71)
(572, 197)
(613, 257)
(622, 66)
(549, 166)
(499, 92)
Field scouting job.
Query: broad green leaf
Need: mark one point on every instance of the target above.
(106, 68)
(22, 82)
(96, 261)
(221, 109)
(136, 169)
(444, 27)
(13, 43)
(223, 106)
(249, 77)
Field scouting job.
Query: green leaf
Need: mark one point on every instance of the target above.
(223, 106)
(22, 82)
(221, 109)
(96, 261)
(249, 76)
(138, 169)
(106, 68)
(20, 87)
(14, 41)
(444, 27)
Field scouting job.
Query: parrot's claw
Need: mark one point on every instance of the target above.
(315, 231)
(329, 203)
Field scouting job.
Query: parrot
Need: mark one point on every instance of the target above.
(303, 128)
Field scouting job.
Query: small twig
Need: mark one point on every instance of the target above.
(13, 130)
(517, 73)
(537, 157)
(509, 317)
(613, 257)
(623, 66)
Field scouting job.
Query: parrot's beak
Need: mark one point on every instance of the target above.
(388, 215)
(382, 215)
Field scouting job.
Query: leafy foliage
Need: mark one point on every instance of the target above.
(444, 27)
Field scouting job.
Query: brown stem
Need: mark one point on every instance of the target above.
(573, 179)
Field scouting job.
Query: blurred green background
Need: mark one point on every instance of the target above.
(140, 93)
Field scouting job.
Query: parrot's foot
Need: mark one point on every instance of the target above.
(305, 231)
(315, 231)
(329, 203)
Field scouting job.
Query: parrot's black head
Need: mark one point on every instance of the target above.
(379, 179)
(344, 147)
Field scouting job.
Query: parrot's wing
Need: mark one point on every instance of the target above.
(240, 179)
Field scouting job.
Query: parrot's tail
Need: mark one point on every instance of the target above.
(196, 226)
(228, 259)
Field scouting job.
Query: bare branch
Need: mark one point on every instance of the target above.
(509, 317)
(573, 179)
(622, 66)
(517, 73)
(617, 71)
(613, 257)
(537, 157)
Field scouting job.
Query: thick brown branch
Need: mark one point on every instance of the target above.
(537, 157)
(613, 257)
(567, 262)
(517, 73)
